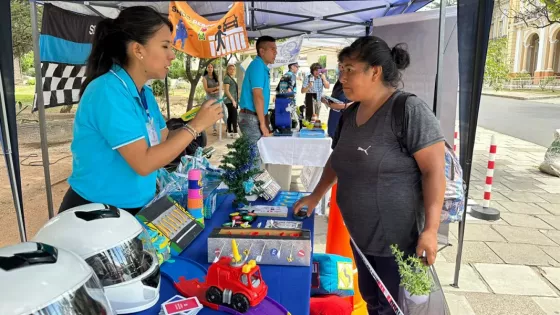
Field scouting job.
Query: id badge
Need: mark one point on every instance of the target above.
(152, 134)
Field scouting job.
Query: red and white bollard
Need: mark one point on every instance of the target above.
(484, 212)
(455, 141)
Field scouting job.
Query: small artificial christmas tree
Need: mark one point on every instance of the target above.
(241, 165)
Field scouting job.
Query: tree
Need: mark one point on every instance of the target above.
(323, 61)
(534, 13)
(22, 31)
(497, 68)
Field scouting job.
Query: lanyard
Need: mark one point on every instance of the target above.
(142, 96)
(145, 103)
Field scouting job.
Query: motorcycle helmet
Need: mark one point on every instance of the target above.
(117, 248)
(40, 279)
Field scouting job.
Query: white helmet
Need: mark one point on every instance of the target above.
(116, 246)
(40, 279)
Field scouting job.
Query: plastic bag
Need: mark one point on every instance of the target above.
(431, 304)
(551, 164)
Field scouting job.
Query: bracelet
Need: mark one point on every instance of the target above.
(192, 131)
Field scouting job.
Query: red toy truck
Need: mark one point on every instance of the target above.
(229, 281)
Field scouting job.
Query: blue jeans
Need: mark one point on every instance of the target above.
(250, 127)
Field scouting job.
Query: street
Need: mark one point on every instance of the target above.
(528, 120)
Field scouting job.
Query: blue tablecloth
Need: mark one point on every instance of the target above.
(288, 285)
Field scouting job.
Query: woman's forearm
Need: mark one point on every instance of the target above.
(328, 179)
(433, 185)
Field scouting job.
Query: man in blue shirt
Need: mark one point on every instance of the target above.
(293, 70)
(255, 92)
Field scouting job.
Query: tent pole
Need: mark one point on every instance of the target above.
(41, 108)
(167, 98)
(221, 82)
(441, 50)
(10, 162)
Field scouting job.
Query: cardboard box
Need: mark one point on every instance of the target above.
(286, 247)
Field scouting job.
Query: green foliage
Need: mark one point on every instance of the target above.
(415, 276)
(323, 61)
(31, 81)
(544, 82)
(177, 70)
(497, 69)
(193, 76)
(22, 35)
(553, 9)
(26, 63)
(241, 164)
(199, 94)
(158, 87)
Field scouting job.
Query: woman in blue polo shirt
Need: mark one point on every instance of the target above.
(120, 136)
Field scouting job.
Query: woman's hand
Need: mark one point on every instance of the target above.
(234, 103)
(427, 247)
(310, 202)
(209, 113)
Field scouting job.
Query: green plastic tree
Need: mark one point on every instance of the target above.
(241, 165)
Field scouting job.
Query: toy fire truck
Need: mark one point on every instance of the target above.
(231, 281)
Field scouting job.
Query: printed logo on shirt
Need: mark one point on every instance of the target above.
(364, 150)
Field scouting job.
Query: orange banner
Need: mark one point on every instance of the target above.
(198, 37)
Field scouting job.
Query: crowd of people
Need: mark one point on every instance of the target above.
(388, 193)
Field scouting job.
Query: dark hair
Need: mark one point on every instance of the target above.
(134, 24)
(262, 40)
(375, 52)
(315, 66)
(214, 77)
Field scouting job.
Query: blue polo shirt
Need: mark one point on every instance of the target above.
(257, 76)
(111, 115)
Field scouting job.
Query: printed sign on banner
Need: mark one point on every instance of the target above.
(288, 52)
(198, 37)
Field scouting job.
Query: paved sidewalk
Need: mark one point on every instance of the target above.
(534, 95)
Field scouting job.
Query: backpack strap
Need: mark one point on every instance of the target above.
(399, 121)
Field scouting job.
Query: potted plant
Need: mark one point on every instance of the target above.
(240, 166)
(415, 277)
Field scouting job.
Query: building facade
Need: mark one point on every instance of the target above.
(531, 50)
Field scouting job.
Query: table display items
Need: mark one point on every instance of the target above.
(38, 278)
(267, 211)
(332, 275)
(179, 305)
(175, 184)
(269, 187)
(241, 218)
(234, 285)
(116, 246)
(240, 165)
(282, 122)
(172, 222)
(282, 224)
(313, 129)
(285, 247)
(195, 201)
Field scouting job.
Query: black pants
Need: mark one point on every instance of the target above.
(72, 199)
(309, 106)
(232, 118)
(388, 270)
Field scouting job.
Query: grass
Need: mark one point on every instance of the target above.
(25, 94)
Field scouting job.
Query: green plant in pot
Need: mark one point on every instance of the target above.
(415, 276)
(240, 166)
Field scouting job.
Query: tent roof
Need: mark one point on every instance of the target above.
(277, 19)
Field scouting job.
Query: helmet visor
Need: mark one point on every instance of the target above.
(88, 299)
(124, 262)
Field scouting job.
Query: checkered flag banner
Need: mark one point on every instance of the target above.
(61, 83)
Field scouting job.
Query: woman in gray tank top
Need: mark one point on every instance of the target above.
(211, 86)
(387, 193)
